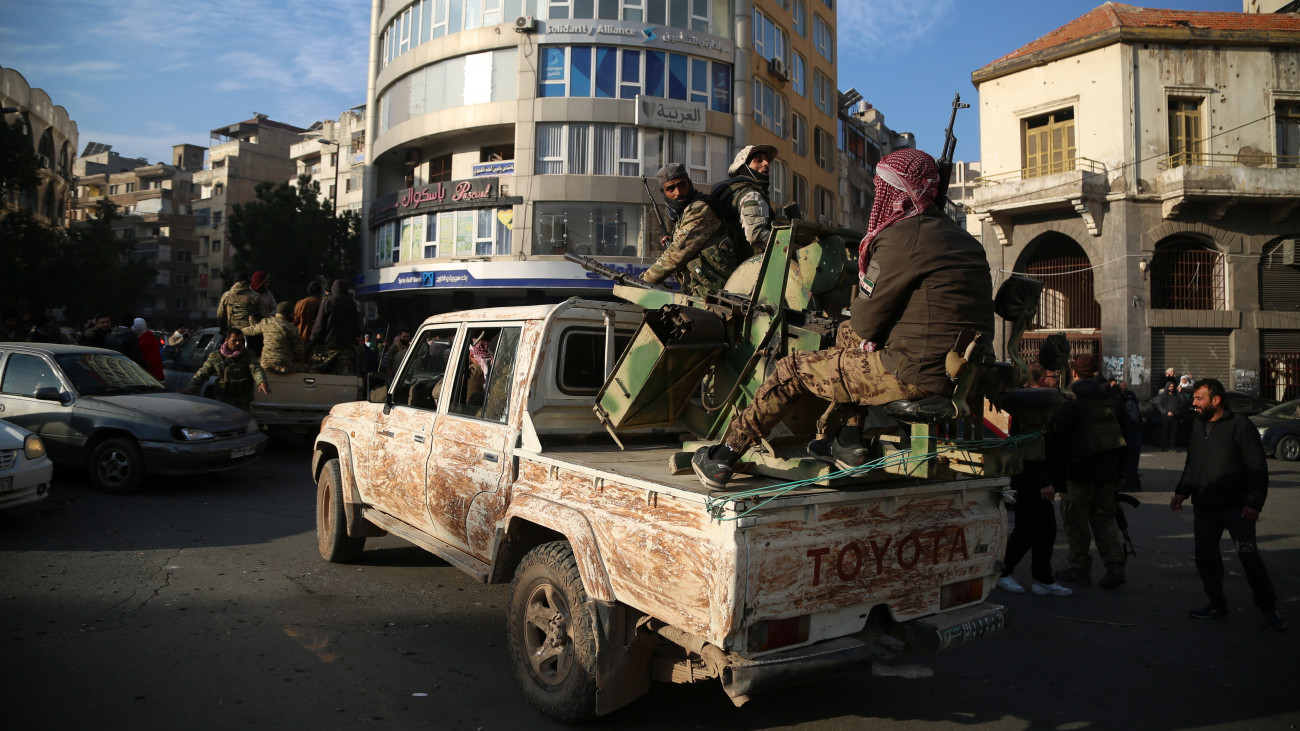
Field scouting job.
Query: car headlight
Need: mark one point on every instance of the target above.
(33, 447)
(1262, 429)
(193, 434)
(253, 427)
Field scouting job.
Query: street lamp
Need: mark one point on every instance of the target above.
(337, 160)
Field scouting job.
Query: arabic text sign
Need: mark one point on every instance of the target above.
(669, 114)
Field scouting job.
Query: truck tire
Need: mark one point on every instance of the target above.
(332, 539)
(116, 466)
(551, 634)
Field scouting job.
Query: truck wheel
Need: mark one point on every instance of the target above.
(1288, 449)
(551, 634)
(116, 466)
(332, 539)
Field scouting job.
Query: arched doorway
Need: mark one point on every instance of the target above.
(1069, 301)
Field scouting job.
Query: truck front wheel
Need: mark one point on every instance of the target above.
(551, 634)
(332, 538)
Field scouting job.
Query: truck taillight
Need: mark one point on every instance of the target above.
(962, 592)
(778, 633)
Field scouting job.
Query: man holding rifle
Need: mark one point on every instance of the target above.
(700, 252)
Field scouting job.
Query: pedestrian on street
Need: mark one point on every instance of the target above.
(1088, 460)
(96, 336)
(1167, 406)
(1226, 476)
(150, 347)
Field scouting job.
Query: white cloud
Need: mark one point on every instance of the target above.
(862, 26)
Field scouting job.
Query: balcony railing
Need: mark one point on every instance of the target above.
(1074, 164)
(1228, 160)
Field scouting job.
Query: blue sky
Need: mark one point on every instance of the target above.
(143, 75)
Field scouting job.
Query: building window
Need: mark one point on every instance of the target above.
(216, 219)
(769, 108)
(799, 134)
(798, 74)
(705, 156)
(825, 206)
(114, 189)
(477, 78)
(824, 95)
(799, 15)
(440, 169)
(1184, 132)
(468, 234)
(1049, 143)
(1288, 134)
(1188, 275)
(497, 153)
(823, 38)
(769, 38)
(600, 229)
(130, 187)
(779, 174)
(588, 149)
(799, 193)
(824, 149)
(609, 72)
(853, 142)
(216, 245)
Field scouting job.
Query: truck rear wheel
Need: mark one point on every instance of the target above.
(551, 634)
(332, 538)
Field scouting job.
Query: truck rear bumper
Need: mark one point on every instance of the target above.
(849, 654)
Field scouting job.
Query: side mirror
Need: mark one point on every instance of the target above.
(49, 393)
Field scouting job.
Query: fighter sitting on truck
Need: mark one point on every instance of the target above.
(924, 283)
(745, 194)
(701, 253)
(283, 350)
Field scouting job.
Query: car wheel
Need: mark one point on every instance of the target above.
(332, 539)
(551, 635)
(116, 466)
(1289, 448)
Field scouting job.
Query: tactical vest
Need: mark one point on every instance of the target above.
(709, 271)
(1098, 430)
(234, 377)
(725, 194)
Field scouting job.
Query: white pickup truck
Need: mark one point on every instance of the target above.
(621, 571)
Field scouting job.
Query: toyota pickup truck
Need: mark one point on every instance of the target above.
(624, 569)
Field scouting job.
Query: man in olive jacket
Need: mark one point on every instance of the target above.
(1226, 476)
(923, 282)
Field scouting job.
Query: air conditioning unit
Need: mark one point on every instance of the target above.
(776, 67)
(526, 24)
(412, 158)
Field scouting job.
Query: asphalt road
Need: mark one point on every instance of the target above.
(202, 604)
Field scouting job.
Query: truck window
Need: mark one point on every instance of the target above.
(582, 359)
(420, 382)
(485, 373)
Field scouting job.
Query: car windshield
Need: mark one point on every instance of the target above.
(1285, 410)
(98, 374)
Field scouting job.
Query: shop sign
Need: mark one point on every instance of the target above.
(498, 167)
(632, 34)
(436, 196)
(669, 114)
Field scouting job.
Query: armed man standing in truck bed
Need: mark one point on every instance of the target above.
(923, 283)
(701, 253)
(745, 195)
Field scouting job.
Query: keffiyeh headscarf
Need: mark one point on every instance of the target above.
(907, 182)
(481, 356)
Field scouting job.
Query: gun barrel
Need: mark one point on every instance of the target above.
(595, 267)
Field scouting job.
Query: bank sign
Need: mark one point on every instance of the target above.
(636, 34)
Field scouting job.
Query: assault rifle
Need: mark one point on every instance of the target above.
(596, 267)
(654, 204)
(949, 148)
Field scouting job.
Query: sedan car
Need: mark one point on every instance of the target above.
(25, 470)
(1279, 430)
(96, 408)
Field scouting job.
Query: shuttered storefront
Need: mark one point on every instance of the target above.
(1202, 353)
(1279, 281)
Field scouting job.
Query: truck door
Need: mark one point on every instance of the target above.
(394, 465)
(471, 444)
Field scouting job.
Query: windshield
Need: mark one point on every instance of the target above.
(1285, 410)
(97, 374)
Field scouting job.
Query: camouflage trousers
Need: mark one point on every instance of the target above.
(848, 376)
(1086, 506)
(334, 361)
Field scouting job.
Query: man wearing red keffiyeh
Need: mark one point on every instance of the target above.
(922, 282)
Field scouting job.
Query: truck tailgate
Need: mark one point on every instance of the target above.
(302, 398)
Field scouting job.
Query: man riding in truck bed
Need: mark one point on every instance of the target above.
(701, 253)
(745, 193)
(923, 283)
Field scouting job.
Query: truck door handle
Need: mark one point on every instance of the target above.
(418, 438)
(490, 456)
(385, 434)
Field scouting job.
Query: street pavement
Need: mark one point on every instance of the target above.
(200, 603)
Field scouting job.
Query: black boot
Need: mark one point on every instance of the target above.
(845, 451)
(714, 465)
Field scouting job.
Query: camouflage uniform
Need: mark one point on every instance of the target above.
(1088, 514)
(755, 216)
(335, 361)
(700, 255)
(240, 307)
(237, 378)
(283, 350)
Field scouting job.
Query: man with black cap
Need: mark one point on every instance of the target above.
(700, 253)
(745, 194)
(1088, 454)
(924, 283)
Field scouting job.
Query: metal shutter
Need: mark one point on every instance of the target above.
(1202, 353)
(1279, 283)
(1279, 340)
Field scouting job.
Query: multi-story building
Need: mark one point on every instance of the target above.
(505, 134)
(863, 140)
(333, 153)
(240, 156)
(53, 137)
(1146, 165)
(154, 202)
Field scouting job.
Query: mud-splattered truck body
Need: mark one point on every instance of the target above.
(623, 572)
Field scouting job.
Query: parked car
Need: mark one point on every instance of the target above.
(25, 470)
(1240, 403)
(97, 409)
(1279, 430)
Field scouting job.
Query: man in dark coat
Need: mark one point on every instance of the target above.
(334, 336)
(1226, 476)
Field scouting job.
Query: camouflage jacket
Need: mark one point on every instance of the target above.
(755, 217)
(236, 377)
(700, 255)
(239, 307)
(283, 350)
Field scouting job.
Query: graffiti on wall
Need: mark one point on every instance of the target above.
(1138, 373)
(1246, 381)
(1113, 367)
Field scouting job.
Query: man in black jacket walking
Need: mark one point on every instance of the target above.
(1227, 478)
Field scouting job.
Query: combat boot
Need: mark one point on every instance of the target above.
(844, 451)
(1113, 578)
(714, 465)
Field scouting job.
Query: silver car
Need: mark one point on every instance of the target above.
(96, 408)
(25, 471)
